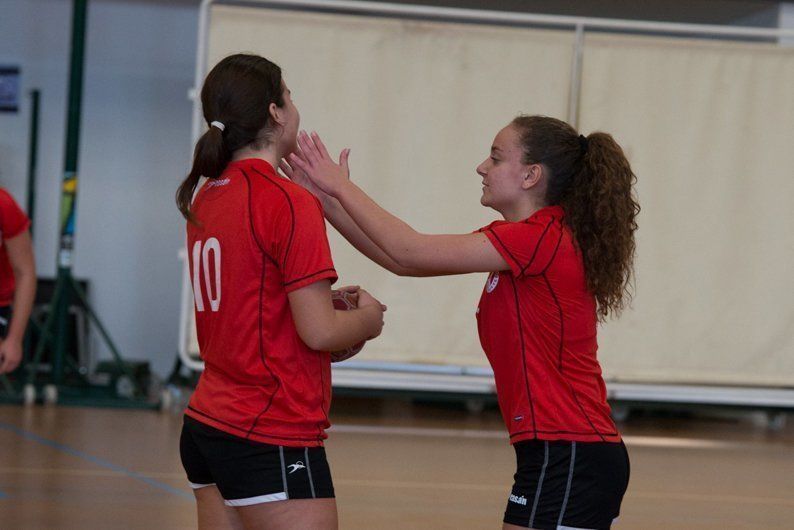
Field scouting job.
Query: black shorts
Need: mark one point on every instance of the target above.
(5, 319)
(568, 485)
(248, 472)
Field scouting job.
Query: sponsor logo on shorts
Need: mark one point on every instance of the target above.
(296, 466)
(518, 500)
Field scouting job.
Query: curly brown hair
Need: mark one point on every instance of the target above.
(592, 180)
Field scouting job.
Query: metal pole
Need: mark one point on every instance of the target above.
(576, 78)
(69, 189)
(33, 154)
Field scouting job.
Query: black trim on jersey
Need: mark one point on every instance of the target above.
(262, 352)
(561, 347)
(296, 439)
(507, 250)
(291, 211)
(251, 218)
(523, 351)
(309, 276)
(562, 337)
(259, 309)
(537, 246)
(562, 320)
(615, 433)
(554, 254)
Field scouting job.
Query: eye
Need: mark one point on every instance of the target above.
(494, 159)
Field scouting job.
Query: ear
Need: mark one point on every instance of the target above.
(532, 176)
(276, 114)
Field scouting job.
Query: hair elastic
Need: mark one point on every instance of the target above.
(583, 143)
(219, 125)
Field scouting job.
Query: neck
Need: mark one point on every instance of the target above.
(520, 211)
(269, 154)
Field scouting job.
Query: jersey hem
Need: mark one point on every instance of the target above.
(254, 437)
(565, 437)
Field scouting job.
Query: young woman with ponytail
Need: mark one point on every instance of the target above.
(560, 262)
(261, 270)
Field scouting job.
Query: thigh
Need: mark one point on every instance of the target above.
(213, 514)
(295, 514)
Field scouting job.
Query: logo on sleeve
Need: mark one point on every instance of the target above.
(493, 281)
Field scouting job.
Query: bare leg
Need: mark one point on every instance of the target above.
(212, 513)
(295, 514)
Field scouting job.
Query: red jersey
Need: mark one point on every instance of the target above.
(13, 222)
(537, 325)
(258, 237)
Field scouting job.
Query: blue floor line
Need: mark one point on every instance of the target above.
(94, 460)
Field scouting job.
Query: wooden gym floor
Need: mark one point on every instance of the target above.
(396, 465)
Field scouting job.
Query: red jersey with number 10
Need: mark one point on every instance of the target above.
(537, 325)
(258, 237)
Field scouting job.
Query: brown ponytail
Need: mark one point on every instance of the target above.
(238, 92)
(592, 180)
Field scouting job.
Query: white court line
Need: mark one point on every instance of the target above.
(632, 441)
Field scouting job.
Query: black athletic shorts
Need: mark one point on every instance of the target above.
(568, 485)
(248, 472)
(5, 319)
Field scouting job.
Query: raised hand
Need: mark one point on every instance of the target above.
(299, 177)
(314, 160)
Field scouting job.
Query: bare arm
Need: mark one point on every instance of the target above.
(429, 255)
(323, 328)
(20, 254)
(345, 225)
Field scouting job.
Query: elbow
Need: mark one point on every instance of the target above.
(317, 338)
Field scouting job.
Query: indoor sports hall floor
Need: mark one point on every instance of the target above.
(396, 465)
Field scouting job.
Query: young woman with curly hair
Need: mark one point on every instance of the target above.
(559, 262)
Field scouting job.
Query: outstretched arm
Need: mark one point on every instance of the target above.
(429, 254)
(345, 225)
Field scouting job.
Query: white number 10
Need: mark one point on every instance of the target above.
(202, 257)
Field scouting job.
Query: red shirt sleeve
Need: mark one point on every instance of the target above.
(13, 220)
(300, 244)
(529, 246)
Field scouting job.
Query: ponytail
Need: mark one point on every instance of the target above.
(601, 210)
(592, 180)
(209, 160)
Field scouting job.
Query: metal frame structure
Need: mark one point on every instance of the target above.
(470, 380)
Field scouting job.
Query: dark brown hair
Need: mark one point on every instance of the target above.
(592, 180)
(238, 92)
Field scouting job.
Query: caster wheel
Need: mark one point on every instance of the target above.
(166, 400)
(50, 394)
(125, 387)
(776, 421)
(29, 394)
(475, 406)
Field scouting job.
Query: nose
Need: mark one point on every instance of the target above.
(481, 169)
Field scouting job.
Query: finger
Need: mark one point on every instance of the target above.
(320, 145)
(343, 156)
(350, 288)
(308, 147)
(299, 163)
(286, 169)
